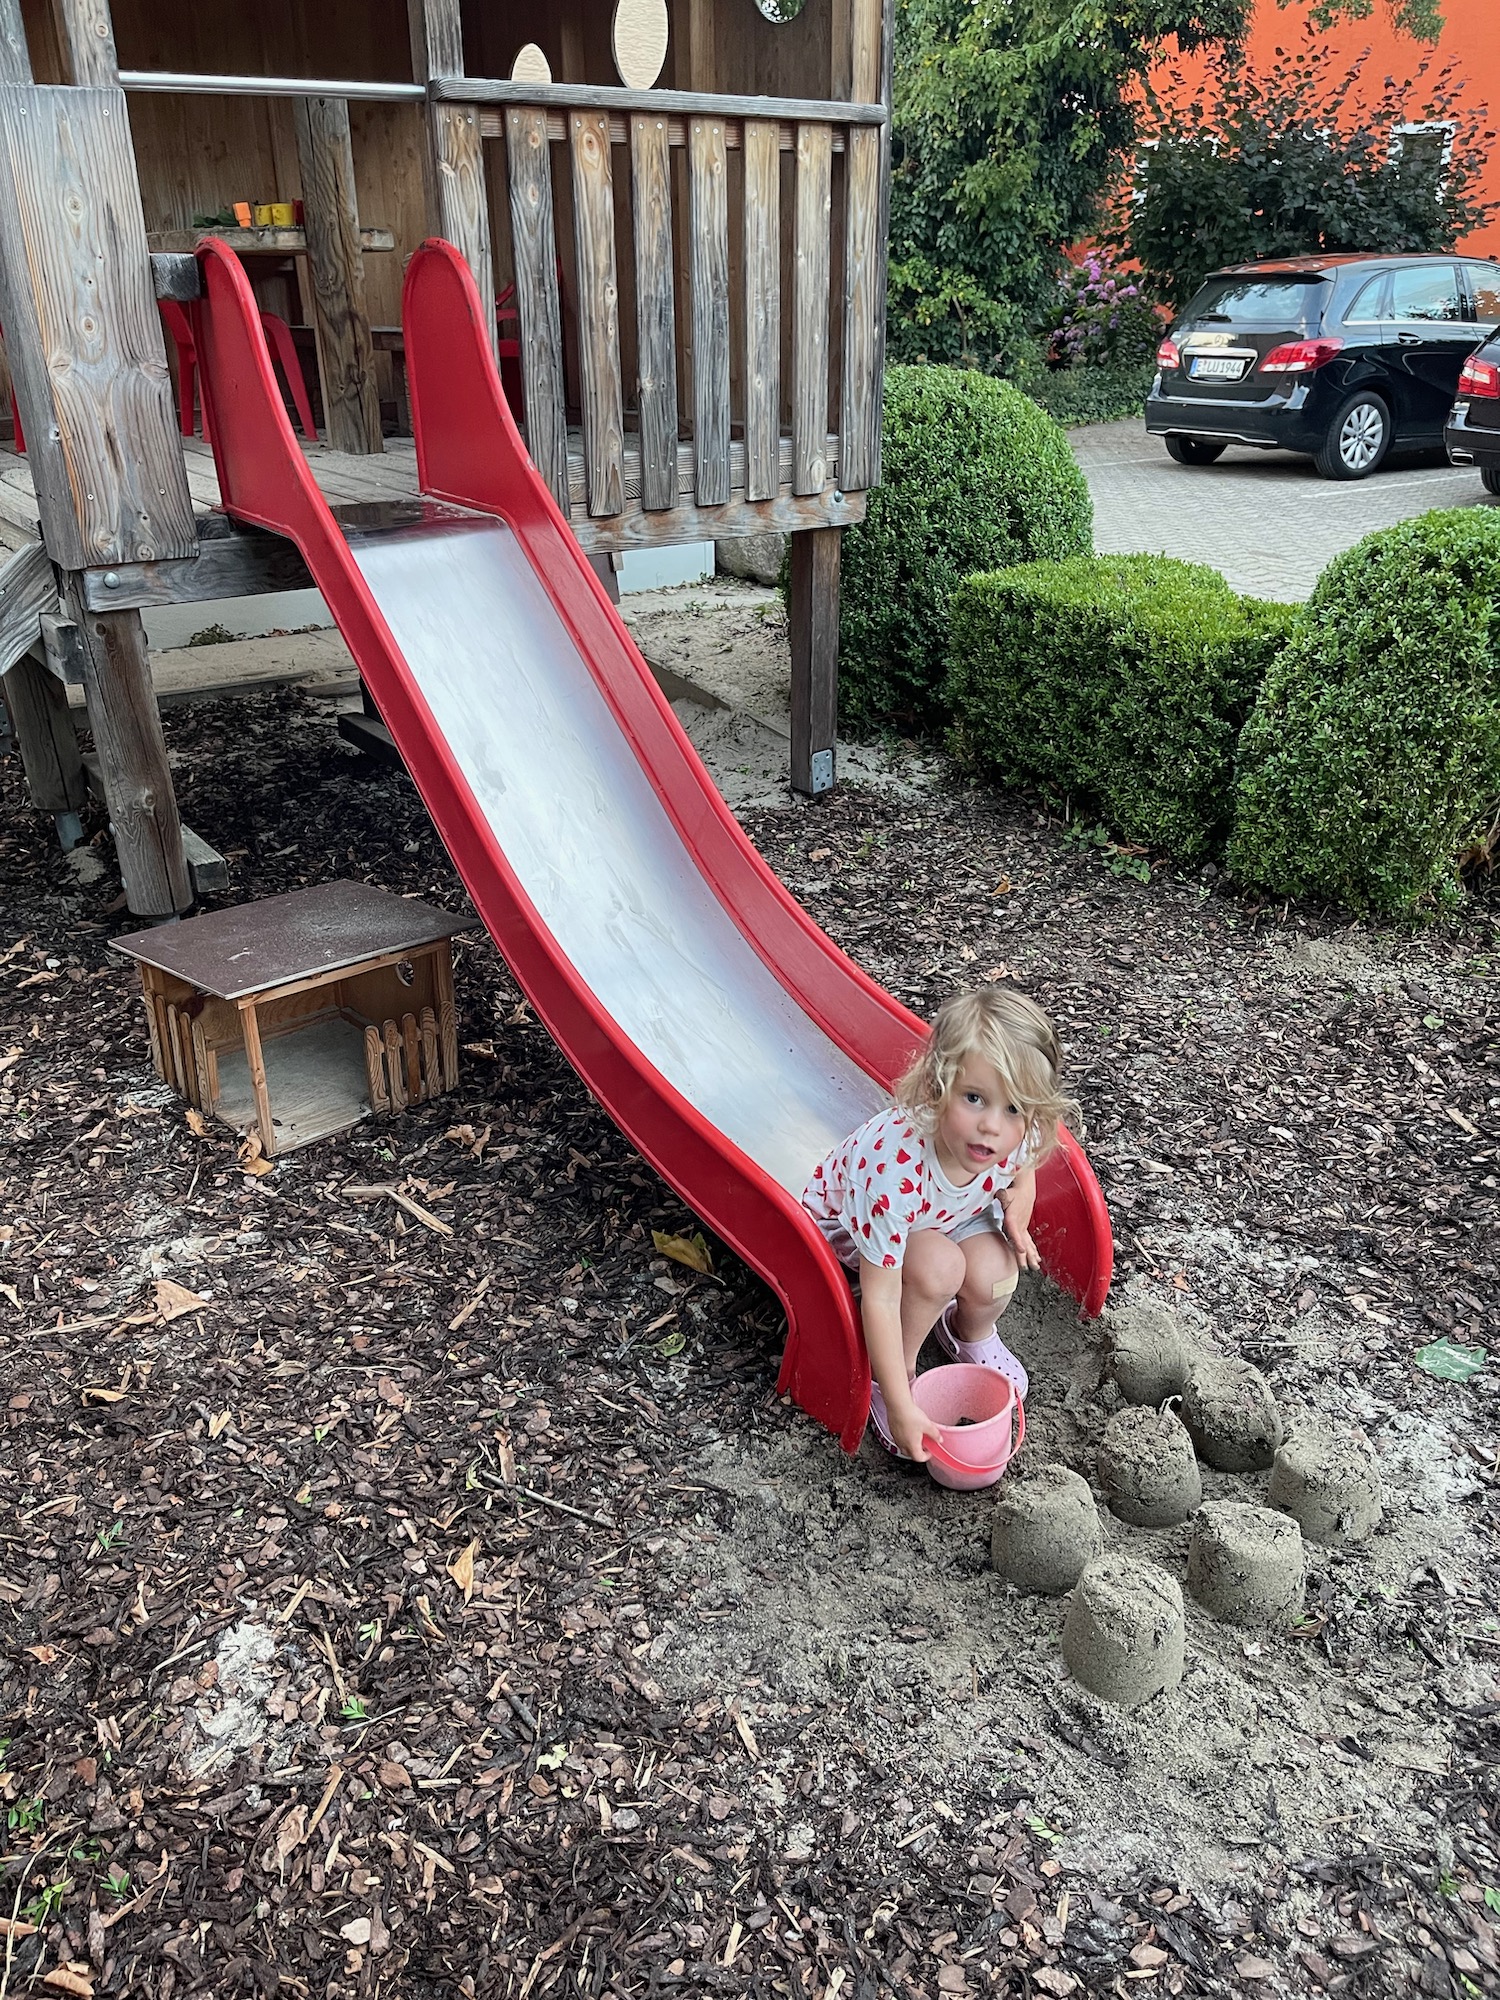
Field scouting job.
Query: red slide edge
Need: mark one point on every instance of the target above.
(266, 480)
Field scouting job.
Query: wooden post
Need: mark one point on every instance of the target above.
(86, 349)
(15, 56)
(133, 761)
(457, 197)
(866, 226)
(346, 356)
(255, 1062)
(813, 615)
(43, 722)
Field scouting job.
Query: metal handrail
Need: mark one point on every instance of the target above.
(188, 83)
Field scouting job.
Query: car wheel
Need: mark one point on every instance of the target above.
(1358, 438)
(1490, 474)
(1193, 451)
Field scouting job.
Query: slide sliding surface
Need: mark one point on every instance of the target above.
(723, 1032)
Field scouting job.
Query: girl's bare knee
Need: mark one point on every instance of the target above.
(935, 1265)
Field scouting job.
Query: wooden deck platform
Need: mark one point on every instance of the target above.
(392, 475)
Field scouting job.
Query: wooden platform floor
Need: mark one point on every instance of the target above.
(341, 475)
(392, 475)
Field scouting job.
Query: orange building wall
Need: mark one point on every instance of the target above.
(1471, 32)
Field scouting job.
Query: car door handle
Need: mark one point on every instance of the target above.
(1411, 339)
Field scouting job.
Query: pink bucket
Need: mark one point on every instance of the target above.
(983, 1422)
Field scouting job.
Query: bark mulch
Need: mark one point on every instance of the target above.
(334, 1538)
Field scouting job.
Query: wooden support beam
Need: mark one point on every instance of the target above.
(134, 773)
(335, 262)
(813, 618)
(457, 195)
(244, 562)
(693, 103)
(492, 126)
(89, 38)
(28, 588)
(15, 55)
(783, 515)
(82, 333)
(45, 736)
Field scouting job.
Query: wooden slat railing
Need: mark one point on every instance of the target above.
(598, 314)
(655, 310)
(757, 437)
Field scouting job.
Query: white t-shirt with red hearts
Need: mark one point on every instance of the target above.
(884, 1182)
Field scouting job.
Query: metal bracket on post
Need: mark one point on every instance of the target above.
(176, 275)
(821, 771)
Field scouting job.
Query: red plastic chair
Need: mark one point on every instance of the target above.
(278, 339)
(508, 351)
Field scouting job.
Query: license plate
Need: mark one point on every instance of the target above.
(1221, 367)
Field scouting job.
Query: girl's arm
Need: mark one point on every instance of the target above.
(880, 1309)
(1018, 1200)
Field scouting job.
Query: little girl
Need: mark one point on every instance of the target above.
(929, 1203)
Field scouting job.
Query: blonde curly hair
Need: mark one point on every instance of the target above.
(1012, 1034)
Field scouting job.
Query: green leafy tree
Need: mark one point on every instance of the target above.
(1296, 159)
(1008, 123)
(1012, 123)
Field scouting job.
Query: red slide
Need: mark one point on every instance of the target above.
(728, 1038)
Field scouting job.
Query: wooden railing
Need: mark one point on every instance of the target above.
(747, 438)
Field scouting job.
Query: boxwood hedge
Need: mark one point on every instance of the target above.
(974, 476)
(1372, 758)
(1119, 682)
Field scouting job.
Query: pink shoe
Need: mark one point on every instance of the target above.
(991, 1352)
(880, 1423)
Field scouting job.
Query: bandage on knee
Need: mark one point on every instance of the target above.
(1003, 1287)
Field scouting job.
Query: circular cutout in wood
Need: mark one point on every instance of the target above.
(639, 37)
(531, 66)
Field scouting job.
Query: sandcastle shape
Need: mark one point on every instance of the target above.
(1150, 1353)
(1231, 1415)
(1125, 1631)
(1046, 1530)
(1329, 1484)
(1148, 1468)
(1246, 1564)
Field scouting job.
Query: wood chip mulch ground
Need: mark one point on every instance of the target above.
(330, 1523)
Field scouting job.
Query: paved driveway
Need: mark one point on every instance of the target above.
(1264, 518)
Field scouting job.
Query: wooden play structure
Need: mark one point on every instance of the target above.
(679, 208)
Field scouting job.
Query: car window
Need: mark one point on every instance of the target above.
(1426, 292)
(1366, 306)
(1274, 301)
(1484, 289)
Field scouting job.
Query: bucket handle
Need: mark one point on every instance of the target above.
(939, 1451)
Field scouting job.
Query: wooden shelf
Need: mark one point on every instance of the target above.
(278, 242)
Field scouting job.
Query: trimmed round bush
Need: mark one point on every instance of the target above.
(1371, 760)
(1119, 682)
(974, 476)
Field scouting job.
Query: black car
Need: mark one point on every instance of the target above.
(1473, 433)
(1340, 357)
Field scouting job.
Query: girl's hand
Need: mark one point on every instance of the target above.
(911, 1430)
(1027, 1255)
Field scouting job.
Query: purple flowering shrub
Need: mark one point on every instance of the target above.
(1103, 317)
